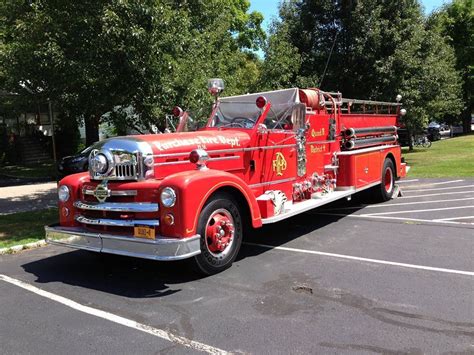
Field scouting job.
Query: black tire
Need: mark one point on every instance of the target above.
(427, 143)
(220, 208)
(387, 183)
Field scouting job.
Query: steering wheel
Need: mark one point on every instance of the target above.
(235, 122)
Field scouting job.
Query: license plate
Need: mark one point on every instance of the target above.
(144, 232)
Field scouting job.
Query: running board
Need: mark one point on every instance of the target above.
(314, 202)
(307, 205)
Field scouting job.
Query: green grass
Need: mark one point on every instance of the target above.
(25, 227)
(446, 158)
(30, 171)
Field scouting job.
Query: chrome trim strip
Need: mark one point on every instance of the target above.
(171, 155)
(234, 157)
(118, 222)
(275, 182)
(177, 162)
(365, 150)
(118, 206)
(188, 162)
(223, 151)
(87, 191)
(161, 248)
(320, 142)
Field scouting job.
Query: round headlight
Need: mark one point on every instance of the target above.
(63, 193)
(168, 197)
(99, 164)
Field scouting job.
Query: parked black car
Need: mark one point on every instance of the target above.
(75, 163)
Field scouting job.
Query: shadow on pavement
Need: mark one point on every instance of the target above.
(279, 233)
(114, 274)
(141, 278)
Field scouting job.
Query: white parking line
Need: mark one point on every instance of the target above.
(160, 333)
(395, 204)
(415, 211)
(367, 216)
(439, 183)
(376, 261)
(439, 189)
(419, 202)
(440, 194)
(453, 218)
(405, 181)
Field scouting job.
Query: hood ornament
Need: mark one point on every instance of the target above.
(101, 192)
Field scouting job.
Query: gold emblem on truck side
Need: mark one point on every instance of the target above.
(279, 164)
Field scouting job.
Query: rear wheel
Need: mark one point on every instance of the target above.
(220, 227)
(386, 188)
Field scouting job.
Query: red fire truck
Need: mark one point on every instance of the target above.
(260, 159)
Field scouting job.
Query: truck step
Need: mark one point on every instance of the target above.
(303, 206)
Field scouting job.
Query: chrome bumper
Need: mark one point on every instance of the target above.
(159, 249)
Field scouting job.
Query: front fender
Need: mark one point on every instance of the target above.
(193, 188)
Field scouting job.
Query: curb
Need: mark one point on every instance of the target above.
(17, 248)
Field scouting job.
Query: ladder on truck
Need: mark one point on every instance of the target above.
(345, 105)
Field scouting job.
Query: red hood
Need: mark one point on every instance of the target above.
(169, 143)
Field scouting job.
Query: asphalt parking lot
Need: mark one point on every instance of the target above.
(396, 277)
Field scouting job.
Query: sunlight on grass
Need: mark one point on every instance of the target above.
(446, 158)
(25, 227)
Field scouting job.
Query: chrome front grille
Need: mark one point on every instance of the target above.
(135, 207)
(117, 214)
(126, 170)
(117, 222)
(125, 159)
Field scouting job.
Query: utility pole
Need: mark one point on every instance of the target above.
(51, 120)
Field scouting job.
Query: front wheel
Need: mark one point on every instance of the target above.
(426, 143)
(387, 186)
(220, 227)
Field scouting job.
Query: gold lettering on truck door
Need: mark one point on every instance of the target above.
(279, 164)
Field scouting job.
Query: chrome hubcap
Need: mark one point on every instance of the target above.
(220, 233)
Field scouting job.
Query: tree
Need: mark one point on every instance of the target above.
(92, 57)
(282, 60)
(373, 49)
(455, 21)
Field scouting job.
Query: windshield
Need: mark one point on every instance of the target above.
(242, 111)
(237, 114)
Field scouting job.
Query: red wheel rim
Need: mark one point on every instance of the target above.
(388, 179)
(219, 232)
